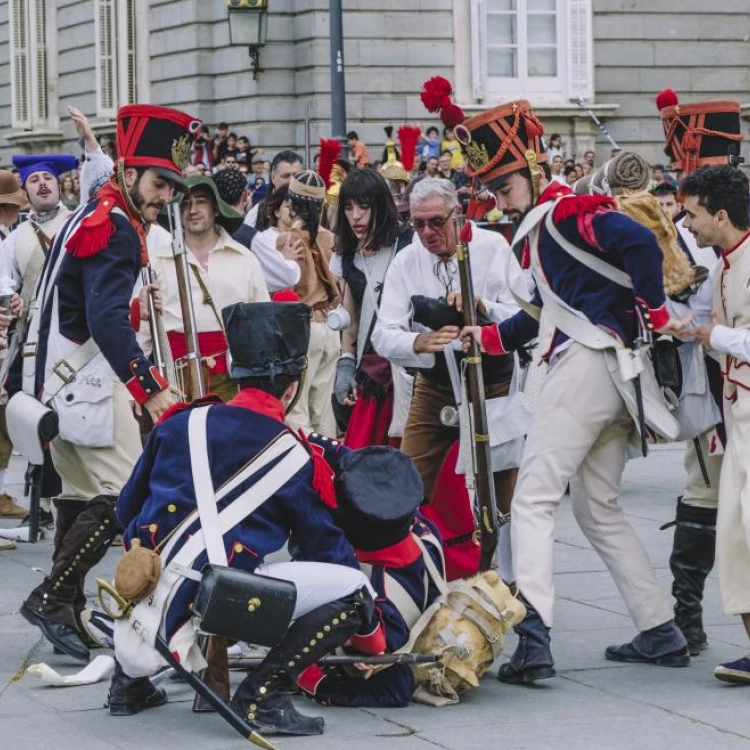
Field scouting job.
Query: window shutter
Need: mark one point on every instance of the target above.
(580, 50)
(478, 48)
(19, 44)
(106, 63)
(41, 103)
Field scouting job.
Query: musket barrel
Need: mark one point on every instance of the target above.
(485, 484)
(190, 327)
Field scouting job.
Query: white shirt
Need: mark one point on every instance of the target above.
(233, 275)
(251, 219)
(415, 271)
(280, 273)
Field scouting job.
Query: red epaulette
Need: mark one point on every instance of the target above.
(322, 481)
(92, 234)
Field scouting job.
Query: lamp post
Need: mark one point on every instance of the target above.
(248, 25)
(338, 89)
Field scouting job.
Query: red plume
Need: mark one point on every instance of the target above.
(330, 151)
(452, 115)
(666, 98)
(408, 137)
(436, 94)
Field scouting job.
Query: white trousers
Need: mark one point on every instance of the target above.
(733, 520)
(696, 493)
(579, 436)
(88, 472)
(313, 412)
(317, 583)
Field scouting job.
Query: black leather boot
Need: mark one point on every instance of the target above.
(130, 695)
(532, 660)
(52, 606)
(260, 697)
(691, 561)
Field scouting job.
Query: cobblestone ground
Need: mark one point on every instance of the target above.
(591, 704)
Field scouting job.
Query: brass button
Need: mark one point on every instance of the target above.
(250, 608)
(335, 620)
(305, 650)
(313, 641)
(140, 377)
(238, 547)
(343, 615)
(253, 707)
(263, 690)
(152, 528)
(319, 635)
(251, 716)
(290, 664)
(172, 508)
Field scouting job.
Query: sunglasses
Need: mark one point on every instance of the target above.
(435, 223)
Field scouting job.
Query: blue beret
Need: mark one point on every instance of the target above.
(56, 164)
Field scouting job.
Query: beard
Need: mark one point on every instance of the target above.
(140, 202)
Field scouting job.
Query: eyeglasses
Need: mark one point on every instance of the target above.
(435, 223)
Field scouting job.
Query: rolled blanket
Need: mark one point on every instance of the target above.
(626, 171)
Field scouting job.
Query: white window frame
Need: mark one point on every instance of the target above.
(33, 69)
(575, 70)
(125, 50)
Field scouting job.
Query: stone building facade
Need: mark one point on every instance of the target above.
(616, 54)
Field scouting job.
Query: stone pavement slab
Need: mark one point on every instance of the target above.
(593, 703)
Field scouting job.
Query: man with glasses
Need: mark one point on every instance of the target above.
(429, 267)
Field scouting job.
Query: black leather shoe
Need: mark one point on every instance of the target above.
(131, 695)
(525, 676)
(626, 652)
(277, 715)
(61, 636)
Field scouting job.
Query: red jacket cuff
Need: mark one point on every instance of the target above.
(310, 678)
(146, 382)
(491, 342)
(659, 317)
(372, 643)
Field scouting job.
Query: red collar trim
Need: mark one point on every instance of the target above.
(725, 253)
(397, 555)
(260, 401)
(553, 191)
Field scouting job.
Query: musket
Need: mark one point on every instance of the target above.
(598, 123)
(193, 356)
(484, 480)
(161, 351)
(216, 674)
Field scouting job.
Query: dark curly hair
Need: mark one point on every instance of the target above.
(721, 187)
(368, 189)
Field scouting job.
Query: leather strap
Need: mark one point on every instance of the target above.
(203, 485)
(207, 298)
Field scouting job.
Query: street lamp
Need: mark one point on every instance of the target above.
(248, 25)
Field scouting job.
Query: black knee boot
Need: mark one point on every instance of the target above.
(81, 543)
(260, 697)
(691, 561)
(130, 695)
(532, 660)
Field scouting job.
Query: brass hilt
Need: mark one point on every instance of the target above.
(103, 586)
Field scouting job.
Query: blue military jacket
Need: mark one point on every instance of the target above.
(94, 288)
(159, 494)
(593, 226)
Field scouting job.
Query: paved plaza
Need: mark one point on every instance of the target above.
(591, 704)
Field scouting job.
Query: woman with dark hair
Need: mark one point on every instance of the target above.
(369, 235)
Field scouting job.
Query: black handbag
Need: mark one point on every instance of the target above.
(667, 365)
(244, 606)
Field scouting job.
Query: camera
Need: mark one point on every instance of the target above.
(338, 319)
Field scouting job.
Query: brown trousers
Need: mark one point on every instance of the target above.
(427, 441)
